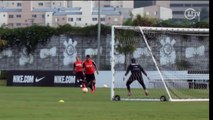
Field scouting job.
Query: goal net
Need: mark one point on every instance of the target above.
(176, 61)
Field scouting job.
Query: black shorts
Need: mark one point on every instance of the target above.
(89, 77)
(136, 76)
(79, 75)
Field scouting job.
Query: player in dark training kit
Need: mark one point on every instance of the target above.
(136, 74)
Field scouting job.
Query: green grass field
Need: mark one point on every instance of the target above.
(41, 103)
(157, 93)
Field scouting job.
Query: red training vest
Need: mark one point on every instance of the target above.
(78, 66)
(89, 67)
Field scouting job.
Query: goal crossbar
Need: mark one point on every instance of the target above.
(200, 30)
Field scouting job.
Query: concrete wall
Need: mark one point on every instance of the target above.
(60, 52)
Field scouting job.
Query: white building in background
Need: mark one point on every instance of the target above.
(49, 4)
(75, 13)
(3, 18)
(82, 14)
(11, 4)
(179, 7)
(122, 4)
(155, 11)
(105, 3)
(34, 3)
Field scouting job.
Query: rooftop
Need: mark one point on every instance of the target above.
(77, 11)
(10, 10)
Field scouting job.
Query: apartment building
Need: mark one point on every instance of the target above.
(11, 4)
(154, 11)
(179, 8)
(68, 3)
(110, 3)
(49, 4)
(82, 15)
(144, 3)
(34, 4)
(17, 17)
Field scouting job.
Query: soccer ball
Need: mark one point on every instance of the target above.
(85, 90)
(105, 86)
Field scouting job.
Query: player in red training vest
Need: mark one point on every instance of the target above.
(78, 68)
(89, 70)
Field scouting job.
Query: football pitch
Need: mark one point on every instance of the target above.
(41, 103)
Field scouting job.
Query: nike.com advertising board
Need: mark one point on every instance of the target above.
(40, 78)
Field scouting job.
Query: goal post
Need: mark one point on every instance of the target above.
(176, 60)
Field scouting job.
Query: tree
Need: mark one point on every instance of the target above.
(126, 41)
(28, 37)
(144, 21)
(201, 24)
(2, 43)
(128, 22)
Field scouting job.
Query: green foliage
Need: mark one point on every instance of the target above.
(201, 24)
(183, 24)
(176, 23)
(27, 37)
(91, 30)
(144, 21)
(149, 21)
(168, 23)
(126, 41)
(3, 43)
(64, 29)
(128, 22)
(30, 37)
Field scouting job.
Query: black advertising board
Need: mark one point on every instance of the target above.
(40, 78)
